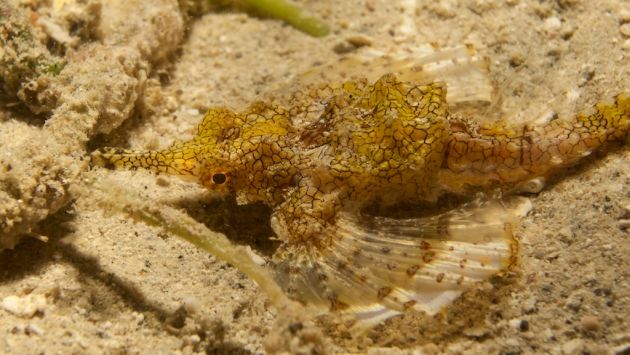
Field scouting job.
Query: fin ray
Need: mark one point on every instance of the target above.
(464, 71)
(377, 267)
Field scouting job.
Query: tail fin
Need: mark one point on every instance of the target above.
(376, 268)
(501, 155)
(611, 121)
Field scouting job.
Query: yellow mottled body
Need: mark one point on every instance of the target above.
(347, 146)
(336, 149)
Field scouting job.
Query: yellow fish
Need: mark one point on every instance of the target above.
(332, 151)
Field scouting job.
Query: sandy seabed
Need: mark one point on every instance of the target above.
(141, 75)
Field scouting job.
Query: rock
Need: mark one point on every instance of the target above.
(137, 317)
(445, 8)
(519, 324)
(194, 339)
(359, 41)
(548, 334)
(529, 306)
(191, 304)
(257, 259)
(624, 224)
(552, 25)
(33, 329)
(477, 332)
(344, 48)
(590, 323)
(25, 306)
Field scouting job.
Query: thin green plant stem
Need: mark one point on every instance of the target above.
(216, 244)
(292, 14)
(111, 196)
(279, 9)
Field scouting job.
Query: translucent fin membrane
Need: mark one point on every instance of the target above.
(379, 267)
(464, 71)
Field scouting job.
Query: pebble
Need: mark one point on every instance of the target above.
(552, 25)
(344, 48)
(137, 317)
(519, 324)
(626, 44)
(25, 306)
(257, 259)
(33, 329)
(512, 342)
(625, 29)
(548, 334)
(529, 306)
(624, 224)
(477, 332)
(191, 304)
(446, 9)
(359, 41)
(194, 339)
(482, 6)
(590, 323)
(517, 59)
(192, 112)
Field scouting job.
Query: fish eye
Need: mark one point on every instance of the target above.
(219, 178)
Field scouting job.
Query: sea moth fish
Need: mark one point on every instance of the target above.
(333, 158)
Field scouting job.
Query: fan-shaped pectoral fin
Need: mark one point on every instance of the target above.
(374, 267)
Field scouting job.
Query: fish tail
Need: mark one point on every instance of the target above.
(501, 155)
(615, 117)
(563, 143)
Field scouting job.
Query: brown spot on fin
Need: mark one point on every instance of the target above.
(465, 246)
